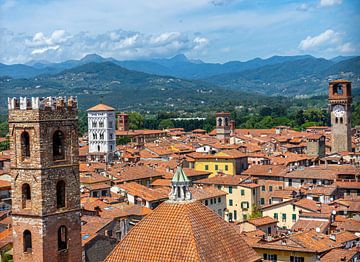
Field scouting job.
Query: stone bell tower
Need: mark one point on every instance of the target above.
(45, 179)
(340, 113)
(223, 127)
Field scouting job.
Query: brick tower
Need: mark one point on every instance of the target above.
(223, 127)
(45, 179)
(123, 122)
(340, 111)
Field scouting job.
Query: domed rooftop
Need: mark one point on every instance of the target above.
(101, 107)
(182, 231)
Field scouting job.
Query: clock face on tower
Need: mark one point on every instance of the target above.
(339, 110)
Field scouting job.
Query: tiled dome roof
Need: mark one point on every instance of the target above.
(101, 107)
(182, 231)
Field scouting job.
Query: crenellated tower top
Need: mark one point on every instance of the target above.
(42, 103)
(50, 108)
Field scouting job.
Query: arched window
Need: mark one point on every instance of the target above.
(226, 121)
(336, 120)
(98, 148)
(60, 194)
(338, 89)
(219, 121)
(26, 195)
(25, 144)
(27, 241)
(58, 145)
(341, 120)
(62, 238)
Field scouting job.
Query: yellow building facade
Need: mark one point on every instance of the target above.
(285, 255)
(241, 197)
(222, 162)
(285, 212)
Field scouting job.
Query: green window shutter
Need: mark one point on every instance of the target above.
(242, 192)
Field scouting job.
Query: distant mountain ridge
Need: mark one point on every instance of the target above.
(177, 66)
(93, 75)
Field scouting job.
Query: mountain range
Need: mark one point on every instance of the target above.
(176, 81)
(177, 66)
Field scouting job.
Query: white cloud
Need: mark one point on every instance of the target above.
(327, 42)
(346, 48)
(44, 49)
(119, 44)
(311, 42)
(200, 42)
(330, 2)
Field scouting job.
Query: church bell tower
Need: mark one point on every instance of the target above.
(45, 179)
(340, 113)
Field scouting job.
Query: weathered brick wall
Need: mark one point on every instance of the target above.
(41, 215)
(44, 232)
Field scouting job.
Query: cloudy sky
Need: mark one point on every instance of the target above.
(211, 30)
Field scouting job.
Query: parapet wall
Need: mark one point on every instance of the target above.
(42, 103)
(25, 109)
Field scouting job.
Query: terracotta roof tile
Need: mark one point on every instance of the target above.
(335, 255)
(186, 231)
(101, 107)
(143, 192)
(262, 221)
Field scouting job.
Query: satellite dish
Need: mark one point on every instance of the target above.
(333, 212)
(317, 229)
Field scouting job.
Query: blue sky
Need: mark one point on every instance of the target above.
(211, 30)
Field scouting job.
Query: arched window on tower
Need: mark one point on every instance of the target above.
(226, 121)
(98, 147)
(338, 89)
(219, 121)
(62, 238)
(60, 194)
(336, 120)
(25, 145)
(58, 145)
(341, 120)
(27, 241)
(26, 196)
